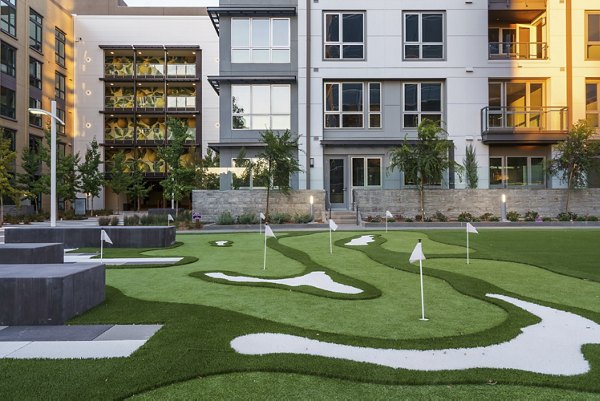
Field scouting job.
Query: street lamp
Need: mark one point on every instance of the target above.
(311, 200)
(503, 210)
(53, 119)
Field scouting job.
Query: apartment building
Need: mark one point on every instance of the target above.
(36, 52)
(508, 77)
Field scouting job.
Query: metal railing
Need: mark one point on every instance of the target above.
(523, 118)
(181, 102)
(181, 70)
(517, 50)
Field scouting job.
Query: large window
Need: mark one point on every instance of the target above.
(516, 104)
(8, 21)
(260, 40)
(60, 128)
(35, 30)
(374, 105)
(59, 47)
(35, 73)
(260, 107)
(366, 171)
(59, 86)
(8, 101)
(422, 100)
(344, 36)
(8, 57)
(423, 36)
(35, 119)
(593, 35)
(592, 109)
(11, 135)
(344, 105)
(517, 171)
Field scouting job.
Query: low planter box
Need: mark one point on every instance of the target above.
(31, 253)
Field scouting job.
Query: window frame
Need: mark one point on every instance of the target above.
(36, 81)
(60, 46)
(270, 47)
(11, 6)
(419, 112)
(36, 27)
(61, 114)
(420, 42)
(374, 113)
(596, 112)
(504, 172)
(589, 43)
(10, 134)
(59, 86)
(340, 42)
(340, 112)
(248, 115)
(10, 70)
(35, 120)
(13, 115)
(366, 171)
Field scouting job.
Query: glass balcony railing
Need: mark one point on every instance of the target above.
(191, 135)
(150, 70)
(119, 102)
(181, 70)
(150, 134)
(181, 102)
(515, 119)
(118, 69)
(150, 102)
(115, 134)
(517, 50)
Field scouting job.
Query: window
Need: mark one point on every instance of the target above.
(8, 21)
(7, 102)
(35, 30)
(260, 40)
(35, 119)
(516, 104)
(35, 73)
(34, 143)
(8, 56)
(366, 171)
(260, 107)
(422, 100)
(374, 105)
(344, 36)
(59, 86)
(592, 110)
(59, 47)
(423, 36)
(344, 105)
(517, 171)
(245, 178)
(60, 129)
(593, 36)
(11, 135)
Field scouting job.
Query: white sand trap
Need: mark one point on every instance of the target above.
(78, 258)
(221, 243)
(318, 280)
(552, 346)
(362, 241)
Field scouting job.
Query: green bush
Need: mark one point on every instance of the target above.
(225, 219)
(302, 218)
(546, 219)
(132, 220)
(102, 212)
(280, 218)
(592, 218)
(486, 217)
(408, 220)
(103, 221)
(465, 217)
(566, 216)
(247, 218)
(581, 218)
(531, 216)
(159, 220)
(373, 219)
(439, 216)
(114, 221)
(493, 218)
(512, 216)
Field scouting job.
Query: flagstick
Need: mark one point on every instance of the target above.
(330, 243)
(101, 246)
(422, 297)
(386, 223)
(265, 257)
(467, 246)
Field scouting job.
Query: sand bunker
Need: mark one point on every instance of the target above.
(362, 241)
(221, 243)
(318, 280)
(552, 346)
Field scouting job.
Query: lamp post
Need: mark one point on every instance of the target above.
(503, 211)
(53, 120)
(311, 200)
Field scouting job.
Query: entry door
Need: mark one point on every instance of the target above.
(337, 183)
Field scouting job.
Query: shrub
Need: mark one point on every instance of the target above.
(493, 218)
(418, 217)
(581, 218)
(103, 221)
(546, 219)
(302, 218)
(114, 221)
(373, 219)
(408, 220)
(439, 216)
(247, 218)
(531, 216)
(592, 218)
(566, 216)
(225, 219)
(158, 220)
(102, 212)
(280, 218)
(132, 220)
(465, 217)
(512, 216)
(486, 217)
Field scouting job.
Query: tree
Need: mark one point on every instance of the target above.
(92, 178)
(7, 187)
(276, 163)
(425, 162)
(205, 179)
(67, 177)
(181, 175)
(575, 158)
(137, 189)
(470, 165)
(31, 181)
(120, 179)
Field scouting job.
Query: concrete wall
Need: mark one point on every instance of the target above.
(211, 204)
(547, 202)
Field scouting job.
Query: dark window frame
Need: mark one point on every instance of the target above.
(419, 112)
(590, 43)
(60, 43)
(420, 42)
(8, 25)
(9, 64)
(340, 43)
(36, 30)
(11, 135)
(61, 114)
(35, 80)
(8, 111)
(59, 86)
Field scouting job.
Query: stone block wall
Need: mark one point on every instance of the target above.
(210, 204)
(452, 202)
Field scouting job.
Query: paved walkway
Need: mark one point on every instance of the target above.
(87, 257)
(73, 342)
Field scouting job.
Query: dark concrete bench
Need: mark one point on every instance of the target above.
(49, 294)
(39, 253)
(78, 237)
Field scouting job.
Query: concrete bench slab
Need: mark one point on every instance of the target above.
(53, 333)
(31, 253)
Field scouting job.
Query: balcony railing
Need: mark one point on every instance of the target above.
(154, 70)
(181, 70)
(181, 102)
(517, 50)
(150, 134)
(150, 102)
(117, 134)
(119, 102)
(190, 135)
(515, 120)
(121, 69)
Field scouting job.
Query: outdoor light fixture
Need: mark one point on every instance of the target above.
(311, 200)
(53, 120)
(503, 209)
(312, 162)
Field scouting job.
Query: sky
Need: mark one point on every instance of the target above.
(172, 3)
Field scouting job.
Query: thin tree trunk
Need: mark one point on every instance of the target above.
(1, 210)
(118, 198)
(569, 189)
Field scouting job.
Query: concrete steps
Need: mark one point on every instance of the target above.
(343, 216)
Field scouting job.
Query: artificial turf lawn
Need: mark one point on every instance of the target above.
(194, 341)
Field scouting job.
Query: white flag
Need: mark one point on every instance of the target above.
(104, 237)
(471, 229)
(262, 216)
(269, 232)
(332, 225)
(417, 254)
(388, 214)
(170, 218)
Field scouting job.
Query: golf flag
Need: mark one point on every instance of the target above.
(261, 218)
(104, 237)
(169, 218)
(332, 226)
(417, 254)
(470, 229)
(388, 215)
(268, 233)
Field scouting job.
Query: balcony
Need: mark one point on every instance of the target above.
(181, 70)
(182, 103)
(517, 51)
(506, 125)
(150, 134)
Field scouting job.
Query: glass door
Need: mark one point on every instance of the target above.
(337, 183)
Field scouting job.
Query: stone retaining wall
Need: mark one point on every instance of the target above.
(210, 204)
(452, 202)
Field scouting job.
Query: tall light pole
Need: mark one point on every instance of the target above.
(53, 120)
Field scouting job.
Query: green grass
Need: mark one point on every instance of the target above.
(200, 319)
